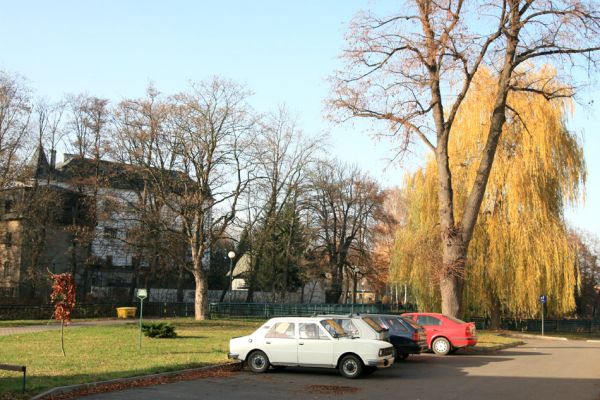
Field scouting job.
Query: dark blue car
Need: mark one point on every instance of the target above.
(406, 336)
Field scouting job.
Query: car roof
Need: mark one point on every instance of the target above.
(296, 319)
(425, 313)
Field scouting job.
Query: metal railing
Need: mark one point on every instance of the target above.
(268, 310)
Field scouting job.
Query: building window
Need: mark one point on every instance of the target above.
(8, 239)
(8, 205)
(110, 233)
(7, 269)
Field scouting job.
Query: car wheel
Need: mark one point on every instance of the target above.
(258, 361)
(351, 367)
(403, 356)
(441, 346)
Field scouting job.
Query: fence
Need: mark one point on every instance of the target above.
(550, 325)
(268, 310)
(216, 310)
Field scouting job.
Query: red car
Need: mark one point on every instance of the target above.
(445, 334)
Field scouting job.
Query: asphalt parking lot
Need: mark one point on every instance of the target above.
(541, 369)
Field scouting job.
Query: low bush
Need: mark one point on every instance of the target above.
(159, 330)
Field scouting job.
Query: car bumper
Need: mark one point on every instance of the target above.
(383, 362)
(464, 342)
(412, 348)
(233, 356)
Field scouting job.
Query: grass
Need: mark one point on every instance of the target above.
(572, 336)
(96, 353)
(493, 339)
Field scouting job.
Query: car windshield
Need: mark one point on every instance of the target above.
(374, 324)
(394, 324)
(410, 322)
(333, 328)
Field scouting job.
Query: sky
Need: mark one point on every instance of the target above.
(283, 51)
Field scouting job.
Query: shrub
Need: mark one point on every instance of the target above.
(159, 330)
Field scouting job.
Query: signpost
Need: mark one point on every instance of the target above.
(543, 300)
(141, 294)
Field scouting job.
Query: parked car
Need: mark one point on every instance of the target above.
(407, 336)
(445, 334)
(310, 342)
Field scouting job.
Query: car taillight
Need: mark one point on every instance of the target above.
(470, 331)
(415, 336)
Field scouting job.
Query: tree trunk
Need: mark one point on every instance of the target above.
(333, 295)
(200, 296)
(180, 278)
(452, 276)
(495, 313)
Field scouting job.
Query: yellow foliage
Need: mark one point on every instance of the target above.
(519, 248)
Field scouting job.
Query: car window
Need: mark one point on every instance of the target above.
(349, 327)
(311, 331)
(428, 320)
(333, 328)
(282, 330)
(395, 325)
(373, 324)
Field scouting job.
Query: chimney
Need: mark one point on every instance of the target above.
(52, 159)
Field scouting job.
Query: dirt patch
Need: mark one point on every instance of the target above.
(331, 389)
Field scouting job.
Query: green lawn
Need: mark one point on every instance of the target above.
(492, 339)
(97, 353)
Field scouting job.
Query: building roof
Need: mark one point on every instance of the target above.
(78, 170)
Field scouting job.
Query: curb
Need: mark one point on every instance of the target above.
(491, 349)
(528, 336)
(135, 381)
(593, 341)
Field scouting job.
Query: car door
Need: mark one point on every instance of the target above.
(315, 347)
(281, 343)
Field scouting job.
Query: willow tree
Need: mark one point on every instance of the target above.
(413, 70)
(520, 249)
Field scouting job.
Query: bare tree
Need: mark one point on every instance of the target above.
(15, 113)
(209, 137)
(343, 203)
(283, 157)
(86, 132)
(141, 140)
(413, 70)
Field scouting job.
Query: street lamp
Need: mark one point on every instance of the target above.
(362, 292)
(231, 256)
(355, 271)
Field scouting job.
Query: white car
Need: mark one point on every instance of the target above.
(310, 342)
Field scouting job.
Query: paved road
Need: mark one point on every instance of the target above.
(541, 369)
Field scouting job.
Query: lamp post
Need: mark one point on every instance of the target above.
(231, 256)
(141, 294)
(355, 271)
(362, 293)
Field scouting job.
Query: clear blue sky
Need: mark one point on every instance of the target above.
(282, 50)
